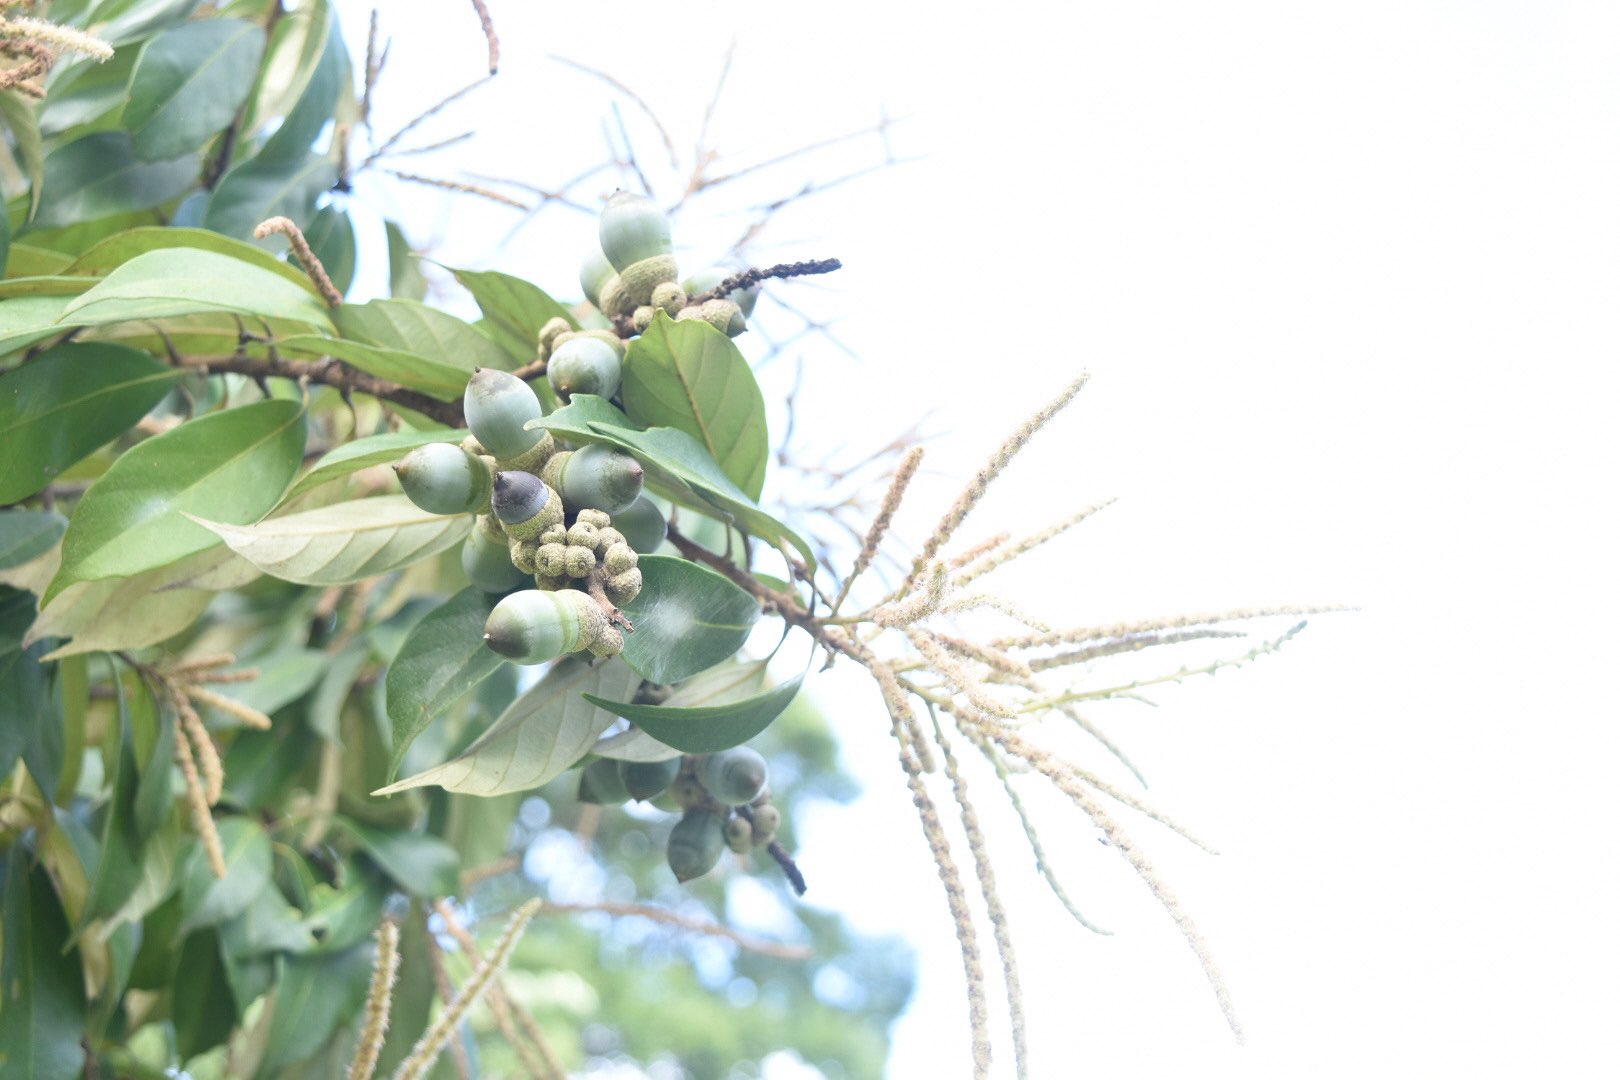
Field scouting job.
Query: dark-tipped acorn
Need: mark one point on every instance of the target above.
(735, 776)
(584, 365)
(602, 478)
(525, 505)
(497, 404)
(533, 626)
(648, 779)
(442, 478)
(486, 559)
(695, 843)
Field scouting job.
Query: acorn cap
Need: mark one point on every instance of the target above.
(601, 477)
(633, 228)
(442, 478)
(497, 404)
(584, 365)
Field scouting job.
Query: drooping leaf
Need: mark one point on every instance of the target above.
(515, 310)
(25, 694)
(422, 865)
(68, 401)
(342, 543)
(704, 729)
(188, 84)
(99, 174)
(364, 453)
(538, 737)
(265, 187)
(109, 254)
(185, 281)
(41, 983)
(314, 995)
(19, 117)
(411, 326)
(25, 534)
(443, 658)
(689, 376)
(231, 465)
(687, 618)
(208, 900)
(331, 238)
(45, 285)
(428, 372)
(405, 280)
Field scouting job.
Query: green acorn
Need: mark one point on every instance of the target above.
(524, 504)
(497, 404)
(531, 627)
(642, 524)
(584, 365)
(486, 560)
(695, 844)
(600, 477)
(599, 783)
(706, 280)
(593, 277)
(442, 478)
(735, 776)
(767, 819)
(739, 834)
(646, 779)
(635, 238)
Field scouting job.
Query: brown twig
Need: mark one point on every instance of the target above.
(669, 144)
(312, 266)
(489, 33)
(330, 372)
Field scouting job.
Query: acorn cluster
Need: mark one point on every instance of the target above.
(573, 521)
(723, 800)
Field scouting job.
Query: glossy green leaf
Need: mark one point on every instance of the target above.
(297, 45)
(315, 993)
(188, 84)
(88, 94)
(109, 254)
(154, 733)
(365, 453)
(539, 736)
(68, 401)
(265, 187)
(443, 658)
(413, 327)
(687, 618)
(121, 21)
(230, 465)
(41, 983)
(430, 373)
(99, 174)
(514, 310)
(689, 376)
(25, 534)
(345, 542)
(185, 281)
(317, 102)
(208, 900)
(331, 238)
(203, 1005)
(19, 117)
(422, 865)
(26, 320)
(705, 729)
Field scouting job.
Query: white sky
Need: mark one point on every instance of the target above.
(1344, 276)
